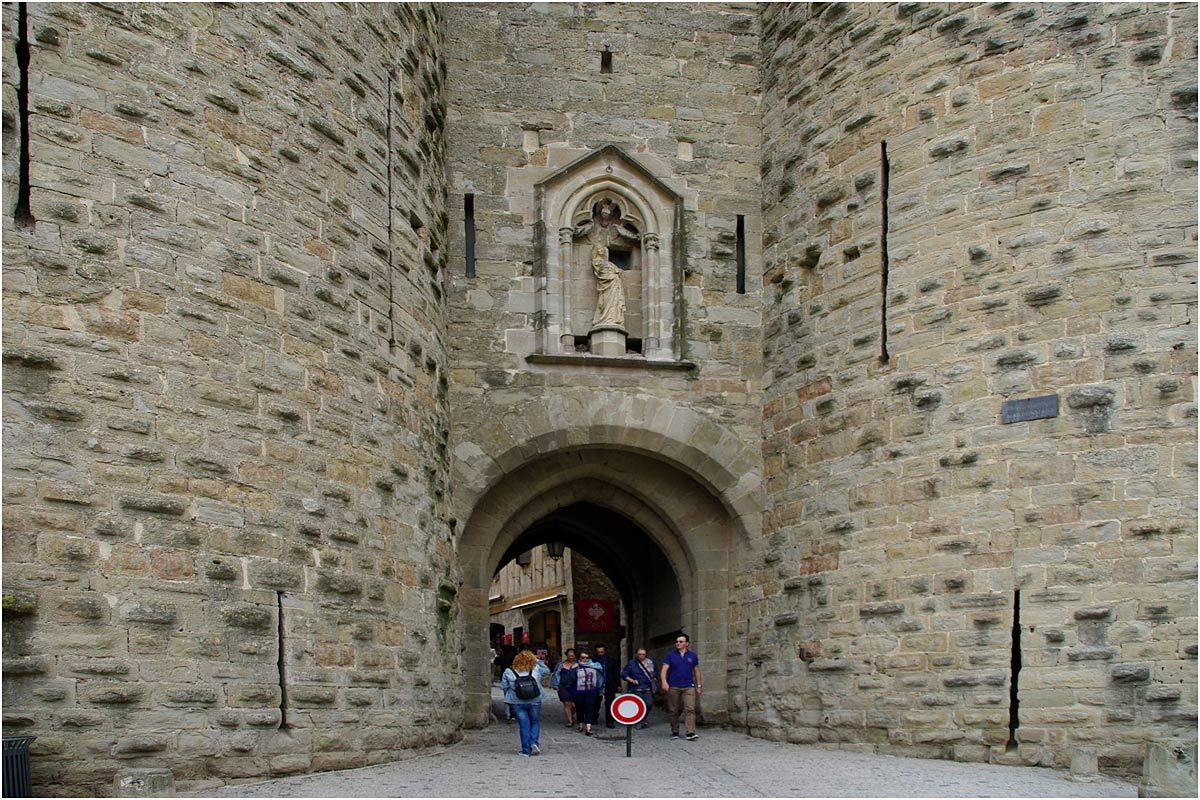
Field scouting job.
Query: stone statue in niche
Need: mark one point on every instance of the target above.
(610, 291)
(605, 227)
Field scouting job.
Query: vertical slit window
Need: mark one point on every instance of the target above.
(885, 170)
(23, 213)
(606, 62)
(283, 696)
(1015, 670)
(469, 232)
(390, 217)
(741, 254)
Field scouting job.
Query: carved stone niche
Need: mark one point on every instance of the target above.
(606, 198)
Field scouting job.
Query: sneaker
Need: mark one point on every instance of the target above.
(535, 750)
(675, 736)
(691, 737)
(523, 755)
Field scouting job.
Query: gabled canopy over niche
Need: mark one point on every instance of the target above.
(611, 231)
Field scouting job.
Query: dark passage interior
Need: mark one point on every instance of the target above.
(585, 574)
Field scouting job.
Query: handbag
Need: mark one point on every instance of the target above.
(653, 683)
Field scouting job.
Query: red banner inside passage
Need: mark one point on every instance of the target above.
(595, 615)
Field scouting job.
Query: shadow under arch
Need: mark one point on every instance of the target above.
(589, 540)
(647, 584)
(689, 524)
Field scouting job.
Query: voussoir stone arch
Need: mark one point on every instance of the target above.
(688, 481)
(701, 447)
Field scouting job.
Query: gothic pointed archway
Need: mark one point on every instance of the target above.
(693, 498)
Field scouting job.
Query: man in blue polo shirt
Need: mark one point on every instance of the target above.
(680, 676)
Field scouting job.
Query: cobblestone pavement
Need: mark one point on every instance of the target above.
(721, 763)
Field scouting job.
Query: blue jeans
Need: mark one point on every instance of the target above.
(529, 718)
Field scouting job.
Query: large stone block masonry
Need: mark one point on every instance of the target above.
(225, 392)
(266, 441)
(1037, 165)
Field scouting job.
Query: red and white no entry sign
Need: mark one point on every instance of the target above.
(628, 709)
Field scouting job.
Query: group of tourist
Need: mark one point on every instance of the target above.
(587, 684)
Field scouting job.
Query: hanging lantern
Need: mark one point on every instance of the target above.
(555, 549)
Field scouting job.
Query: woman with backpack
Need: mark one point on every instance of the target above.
(564, 682)
(589, 683)
(522, 685)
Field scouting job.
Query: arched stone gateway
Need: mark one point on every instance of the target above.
(707, 451)
(313, 313)
(682, 480)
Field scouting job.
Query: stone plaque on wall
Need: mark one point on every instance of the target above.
(1030, 408)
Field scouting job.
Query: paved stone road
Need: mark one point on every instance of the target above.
(720, 764)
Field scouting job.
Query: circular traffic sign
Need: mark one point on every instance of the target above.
(627, 709)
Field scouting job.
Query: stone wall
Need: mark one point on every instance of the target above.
(225, 392)
(683, 100)
(1041, 240)
(234, 334)
(528, 94)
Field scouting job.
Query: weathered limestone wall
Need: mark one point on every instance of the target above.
(1041, 241)
(526, 95)
(233, 337)
(225, 392)
(525, 82)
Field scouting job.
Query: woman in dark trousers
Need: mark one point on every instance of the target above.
(589, 683)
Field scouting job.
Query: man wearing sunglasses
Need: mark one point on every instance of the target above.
(680, 676)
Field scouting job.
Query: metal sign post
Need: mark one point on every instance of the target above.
(629, 710)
